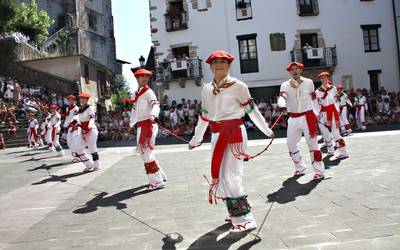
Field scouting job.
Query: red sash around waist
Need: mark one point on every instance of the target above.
(331, 112)
(146, 132)
(230, 134)
(85, 127)
(312, 121)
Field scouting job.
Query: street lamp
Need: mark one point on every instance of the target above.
(141, 61)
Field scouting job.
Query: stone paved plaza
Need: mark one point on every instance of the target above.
(48, 203)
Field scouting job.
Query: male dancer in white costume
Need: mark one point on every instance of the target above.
(144, 113)
(72, 112)
(225, 101)
(298, 97)
(53, 131)
(328, 98)
(89, 131)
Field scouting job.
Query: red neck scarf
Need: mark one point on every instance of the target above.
(140, 93)
(322, 89)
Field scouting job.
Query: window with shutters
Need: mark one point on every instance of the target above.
(248, 53)
(277, 41)
(243, 10)
(371, 37)
(307, 7)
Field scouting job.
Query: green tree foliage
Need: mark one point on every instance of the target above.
(8, 10)
(26, 19)
(32, 22)
(119, 90)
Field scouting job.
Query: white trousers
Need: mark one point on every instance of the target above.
(148, 156)
(54, 141)
(360, 117)
(78, 146)
(296, 128)
(32, 139)
(332, 137)
(344, 122)
(69, 141)
(230, 183)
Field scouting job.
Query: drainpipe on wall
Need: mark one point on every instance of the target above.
(397, 36)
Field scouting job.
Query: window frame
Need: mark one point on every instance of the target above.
(369, 28)
(237, 8)
(243, 69)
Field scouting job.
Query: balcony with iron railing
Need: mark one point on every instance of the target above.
(315, 58)
(175, 21)
(186, 69)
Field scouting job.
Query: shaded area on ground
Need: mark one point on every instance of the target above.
(252, 135)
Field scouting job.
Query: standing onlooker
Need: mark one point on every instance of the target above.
(9, 93)
(17, 92)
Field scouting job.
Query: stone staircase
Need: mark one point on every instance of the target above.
(19, 139)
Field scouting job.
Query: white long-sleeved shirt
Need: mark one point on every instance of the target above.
(46, 121)
(344, 99)
(230, 103)
(87, 115)
(298, 99)
(55, 121)
(72, 114)
(330, 98)
(361, 101)
(145, 107)
(33, 123)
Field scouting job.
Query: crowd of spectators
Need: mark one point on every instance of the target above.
(18, 37)
(16, 100)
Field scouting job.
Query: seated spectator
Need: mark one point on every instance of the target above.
(11, 128)
(10, 116)
(2, 114)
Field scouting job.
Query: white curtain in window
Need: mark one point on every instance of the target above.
(201, 4)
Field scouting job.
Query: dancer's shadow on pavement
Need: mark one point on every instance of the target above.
(39, 159)
(209, 240)
(59, 178)
(330, 163)
(32, 154)
(114, 200)
(291, 189)
(48, 167)
(28, 150)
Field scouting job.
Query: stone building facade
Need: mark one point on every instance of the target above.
(83, 27)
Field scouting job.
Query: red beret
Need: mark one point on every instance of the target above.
(221, 55)
(142, 72)
(31, 113)
(340, 86)
(324, 74)
(290, 65)
(71, 97)
(84, 95)
(53, 106)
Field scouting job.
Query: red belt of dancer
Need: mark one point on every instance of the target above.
(312, 121)
(85, 127)
(146, 132)
(73, 126)
(359, 109)
(331, 112)
(230, 134)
